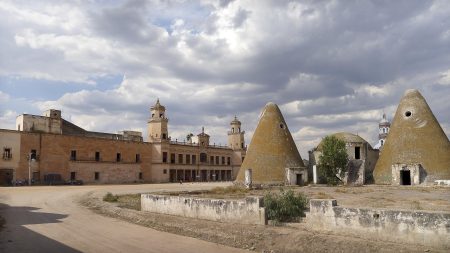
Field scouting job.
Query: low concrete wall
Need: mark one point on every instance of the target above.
(247, 211)
(427, 228)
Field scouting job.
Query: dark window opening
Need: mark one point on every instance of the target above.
(188, 159)
(211, 159)
(18, 127)
(217, 160)
(97, 156)
(73, 155)
(138, 158)
(223, 160)
(161, 115)
(34, 154)
(97, 176)
(118, 157)
(7, 153)
(408, 113)
(281, 125)
(73, 175)
(140, 175)
(180, 158)
(172, 158)
(242, 145)
(164, 171)
(153, 115)
(164, 157)
(405, 177)
(203, 158)
(194, 159)
(357, 153)
(164, 136)
(229, 160)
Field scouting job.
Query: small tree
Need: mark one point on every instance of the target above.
(189, 137)
(333, 160)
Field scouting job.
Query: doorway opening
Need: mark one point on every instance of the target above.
(405, 177)
(299, 179)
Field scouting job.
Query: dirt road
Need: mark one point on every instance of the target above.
(49, 219)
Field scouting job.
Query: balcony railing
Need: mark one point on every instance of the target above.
(196, 144)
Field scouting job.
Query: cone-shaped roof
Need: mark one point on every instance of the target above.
(415, 137)
(271, 149)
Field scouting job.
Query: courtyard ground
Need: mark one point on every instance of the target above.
(298, 237)
(55, 219)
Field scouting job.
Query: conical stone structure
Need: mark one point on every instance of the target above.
(417, 138)
(271, 150)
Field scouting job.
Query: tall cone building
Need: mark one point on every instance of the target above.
(272, 151)
(416, 150)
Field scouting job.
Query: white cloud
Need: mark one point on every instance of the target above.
(331, 66)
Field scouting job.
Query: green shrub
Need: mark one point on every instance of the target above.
(285, 206)
(109, 197)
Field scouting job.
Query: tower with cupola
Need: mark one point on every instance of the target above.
(236, 139)
(383, 131)
(158, 123)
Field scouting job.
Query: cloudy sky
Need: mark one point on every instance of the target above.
(330, 65)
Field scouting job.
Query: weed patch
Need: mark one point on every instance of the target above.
(285, 206)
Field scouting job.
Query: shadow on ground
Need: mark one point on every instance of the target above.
(15, 237)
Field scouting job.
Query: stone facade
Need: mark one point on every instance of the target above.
(49, 145)
(362, 159)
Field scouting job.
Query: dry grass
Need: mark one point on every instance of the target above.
(323, 195)
(130, 201)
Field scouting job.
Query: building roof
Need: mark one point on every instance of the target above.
(415, 137)
(271, 150)
(347, 137)
(235, 121)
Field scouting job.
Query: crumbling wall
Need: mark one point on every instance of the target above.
(427, 228)
(247, 211)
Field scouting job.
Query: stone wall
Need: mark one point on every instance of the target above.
(247, 211)
(427, 228)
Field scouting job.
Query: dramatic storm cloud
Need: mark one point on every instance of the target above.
(330, 65)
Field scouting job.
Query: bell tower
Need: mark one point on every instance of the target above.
(383, 131)
(158, 123)
(236, 136)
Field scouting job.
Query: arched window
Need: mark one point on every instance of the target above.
(232, 129)
(239, 130)
(382, 142)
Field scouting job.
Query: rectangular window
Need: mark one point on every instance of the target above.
(229, 160)
(73, 175)
(357, 153)
(7, 154)
(217, 160)
(223, 160)
(33, 154)
(140, 175)
(97, 156)
(164, 171)
(138, 158)
(211, 160)
(97, 176)
(73, 155)
(188, 159)
(180, 158)
(118, 157)
(164, 157)
(194, 159)
(172, 158)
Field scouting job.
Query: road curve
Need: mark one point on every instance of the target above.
(49, 219)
